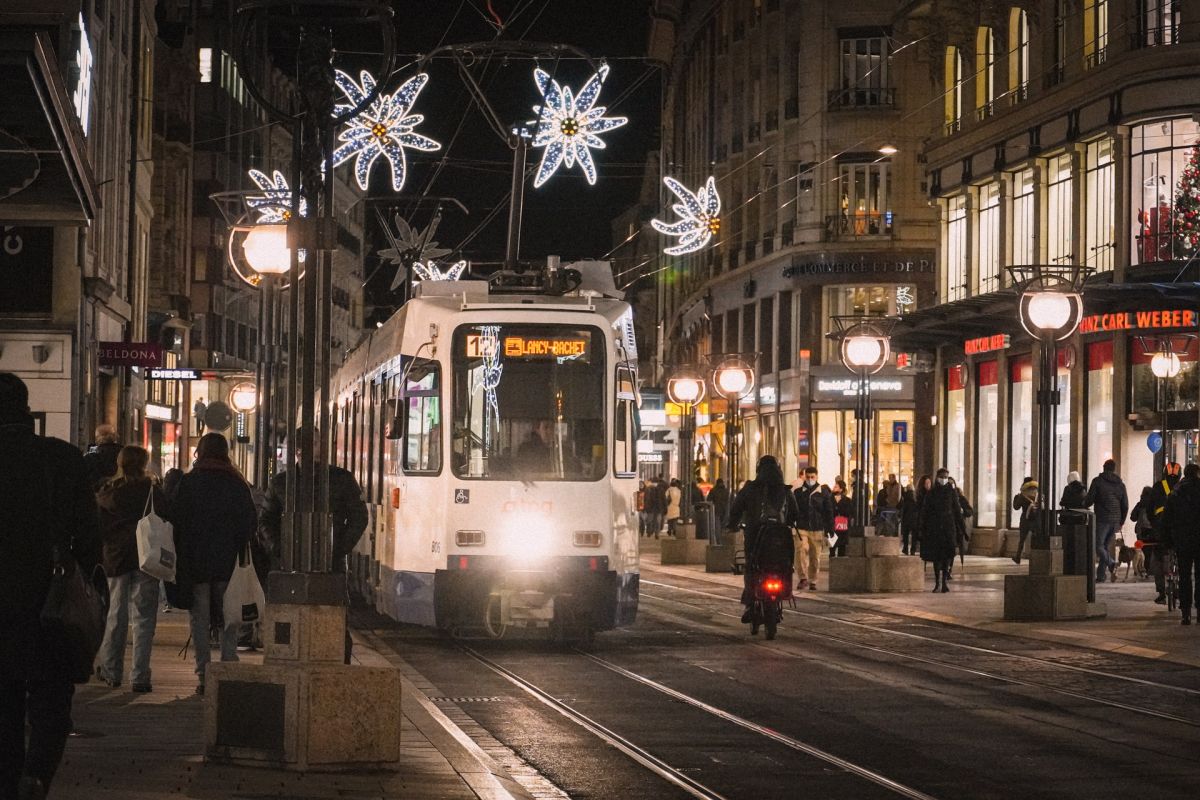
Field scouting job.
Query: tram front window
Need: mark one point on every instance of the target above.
(528, 403)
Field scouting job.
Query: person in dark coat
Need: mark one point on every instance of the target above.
(747, 510)
(47, 497)
(1108, 497)
(910, 520)
(1181, 532)
(924, 485)
(941, 526)
(814, 503)
(1029, 502)
(1148, 525)
(101, 457)
(1074, 494)
(718, 495)
(123, 502)
(214, 517)
(656, 506)
(843, 516)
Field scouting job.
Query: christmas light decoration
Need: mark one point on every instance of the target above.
(384, 128)
(409, 245)
(493, 370)
(275, 204)
(699, 216)
(569, 125)
(429, 271)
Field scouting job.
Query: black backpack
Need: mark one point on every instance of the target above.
(774, 548)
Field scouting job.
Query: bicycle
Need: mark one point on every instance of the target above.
(1170, 569)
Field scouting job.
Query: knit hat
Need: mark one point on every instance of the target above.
(1072, 477)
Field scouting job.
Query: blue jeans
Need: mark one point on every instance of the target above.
(1105, 533)
(141, 591)
(203, 595)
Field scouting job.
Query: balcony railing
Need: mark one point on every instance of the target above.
(985, 111)
(1097, 58)
(1019, 94)
(1159, 36)
(860, 225)
(952, 127)
(862, 97)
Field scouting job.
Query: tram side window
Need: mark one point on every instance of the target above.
(625, 426)
(422, 402)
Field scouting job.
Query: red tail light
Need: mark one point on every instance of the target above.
(463, 562)
(593, 563)
(773, 585)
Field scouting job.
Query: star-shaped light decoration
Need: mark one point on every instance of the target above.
(699, 216)
(409, 246)
(384, 128)
(275, 204)
(430, 271)
(568, 125)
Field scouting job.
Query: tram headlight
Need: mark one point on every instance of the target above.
(529, 539)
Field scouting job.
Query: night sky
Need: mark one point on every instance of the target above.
(566, 216)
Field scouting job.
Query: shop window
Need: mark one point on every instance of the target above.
(1020, 454)
(1100, 244)
(1181, 392)
(1018, 54)
(1024, 229)
(955, 421)
(864, 203)
(1165, 182)
(985, 71)
(1062, 427)
(1060, 210)
(989, 238)
(987, 455)
(954, 278)
(1100, 405)
(952, 78)
(1095, 32)
(866, 73)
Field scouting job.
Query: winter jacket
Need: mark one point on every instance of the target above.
(815, 507)
(674, 498)
(121, 508)
(101, 460)
(1107, 494)
(719, 497)
(841, 506)
(346, 506)
(889, 496)
(1159, 494)
(214, 517)
(941, 523)
(910, 512)
(747, 509)
(1023, 501)
(1181, 519)
(656, 499)
(47, 497)
(1074, 495)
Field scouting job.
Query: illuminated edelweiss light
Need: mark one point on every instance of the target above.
(699, 216)
(569, 124)
(275, 204)
(410, 245)
(493, 371)
(383, 128)
(429, 271)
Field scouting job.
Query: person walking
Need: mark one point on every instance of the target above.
(214, 517)
(1148, 518)
(924, 485)
(814, 523)
(1111, 502)
(718, 495)
(674, 504)
(123, 501)
(910, 517)
(941, 526)
(843, 517)
(1074, 493)
(1181, 529)
(750, 508)
(47, 499)
(1028, 502)
(656, 507)
(639, 506)
(101, 457)
(887, 507)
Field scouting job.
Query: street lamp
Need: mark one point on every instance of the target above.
(733, 378)
(243, 397)
(865, 349)
(1050, 306)
(1166, 365)
(266, 249)
(686, 389)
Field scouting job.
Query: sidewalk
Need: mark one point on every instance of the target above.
(1134, 625)
(143, 746)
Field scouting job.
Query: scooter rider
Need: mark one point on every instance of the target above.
(747, 509)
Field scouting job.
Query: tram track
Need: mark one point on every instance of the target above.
(991, 674)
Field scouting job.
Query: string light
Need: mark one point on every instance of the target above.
(700, 216)
(429, 271)
(569, 125)
(383, 129)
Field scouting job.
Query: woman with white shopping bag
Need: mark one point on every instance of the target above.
(124, 502)
(214, 518)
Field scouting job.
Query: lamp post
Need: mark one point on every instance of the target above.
(733, 379)
(1166, 365)
(1051, 307)
(686, 389)
(865, 348)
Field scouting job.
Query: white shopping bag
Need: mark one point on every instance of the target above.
(244, 599)
(155, 543)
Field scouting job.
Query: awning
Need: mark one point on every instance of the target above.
(1184, 296)
(45, 176)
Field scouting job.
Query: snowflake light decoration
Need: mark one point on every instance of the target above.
(700, 216)
(275, 204)
(569, 125)
(410, 245)
(384, 128)
(429, 271)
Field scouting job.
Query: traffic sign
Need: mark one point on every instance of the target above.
(900, 431)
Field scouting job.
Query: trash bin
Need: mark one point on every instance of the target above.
(706, 521)
(1077, 527)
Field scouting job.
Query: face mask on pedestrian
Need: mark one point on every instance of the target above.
(943, 481)
(810, 481)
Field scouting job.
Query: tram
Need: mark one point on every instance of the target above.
(493, 429)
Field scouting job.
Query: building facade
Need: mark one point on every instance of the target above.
(812, 117)
(1069, 136)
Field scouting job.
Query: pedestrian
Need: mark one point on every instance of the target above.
(1181, 531)
(765, 496)
(857, 487)
(1028, 502)
(1152, 531)
(346, 507)
(964, 535)
(47, 498)
(101, 457)
(843, 517)
(887, 507)
(910, 516)
(656, 507)
(718, 495)
(214, 517)
(123, 501)
(924, 485)
(1074, 493)
(674, 504)
(814, 523)
(1108, 496)
(198, 411)
(639, 505)
(941, 526)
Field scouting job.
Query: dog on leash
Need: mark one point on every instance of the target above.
(1132, 558)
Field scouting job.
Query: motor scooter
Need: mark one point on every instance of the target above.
(771, 582)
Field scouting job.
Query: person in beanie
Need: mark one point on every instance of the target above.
(1108, 496)
(1181, 532)
(47, 497)
(1028, 502)
(1074, 493)
(941, 525)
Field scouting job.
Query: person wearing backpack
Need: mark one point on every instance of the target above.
(1152, 527)
(765, 506)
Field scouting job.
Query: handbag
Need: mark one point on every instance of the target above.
(74, 614)
(244, 599)
(155, 543)
(841, 524)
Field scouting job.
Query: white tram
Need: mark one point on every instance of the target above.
(495, 438)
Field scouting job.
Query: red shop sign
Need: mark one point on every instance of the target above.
(1137, 320)
(130, 354)
(986, 344)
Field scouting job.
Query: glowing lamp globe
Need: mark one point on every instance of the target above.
(266, 250)
(1165, 365)
(685, 391)
(733, 381)
(243, 397)
(863, 351)
(1049, 311)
